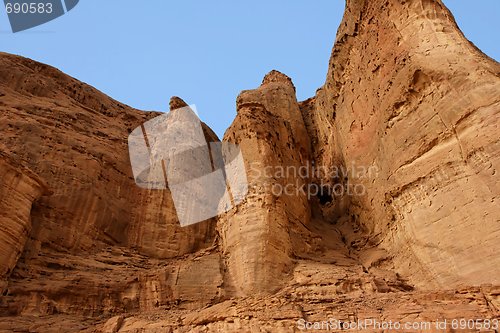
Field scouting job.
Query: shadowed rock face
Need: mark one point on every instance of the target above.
(75, 139)
(19, 188)
(93, 221)
(407, 98)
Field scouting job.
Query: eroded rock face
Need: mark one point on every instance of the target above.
(19, 188)
(74, 139)
(270, 132)
(408, 114)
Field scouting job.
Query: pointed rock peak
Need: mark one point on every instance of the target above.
(276, 76)
(176, 103)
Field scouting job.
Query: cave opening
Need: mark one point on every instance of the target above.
(325, 195)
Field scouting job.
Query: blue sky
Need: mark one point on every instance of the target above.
(143, 52)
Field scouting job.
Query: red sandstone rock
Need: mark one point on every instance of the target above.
(84, 249)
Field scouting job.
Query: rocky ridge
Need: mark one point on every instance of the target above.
(406, 96)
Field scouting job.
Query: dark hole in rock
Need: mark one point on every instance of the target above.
(325, 196)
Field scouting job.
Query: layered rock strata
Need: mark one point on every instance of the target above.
(404, 229)
(19, 189)
(409, 96)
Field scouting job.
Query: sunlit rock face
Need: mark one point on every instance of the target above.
(405, 227)
(408, 94)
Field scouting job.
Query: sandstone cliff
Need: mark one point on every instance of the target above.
(20, 187)
(407, 93)
(405, 229)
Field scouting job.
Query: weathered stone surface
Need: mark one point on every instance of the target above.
(408, 94)
(19, 188)
(407, 98)
(74, 139)
(255, 235)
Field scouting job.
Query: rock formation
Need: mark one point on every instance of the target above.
(402, 226)
(270, 132)
(407, 93)
(20, 187)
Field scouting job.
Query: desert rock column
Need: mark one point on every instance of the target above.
(255, 235)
